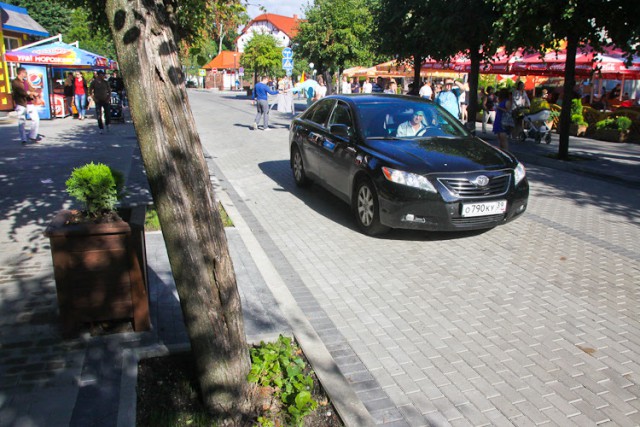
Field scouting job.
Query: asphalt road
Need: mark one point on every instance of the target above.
(535, 322)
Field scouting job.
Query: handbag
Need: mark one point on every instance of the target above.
(507, 120)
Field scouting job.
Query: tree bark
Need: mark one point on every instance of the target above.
(567, 97)
(472, 99)
(179, 180)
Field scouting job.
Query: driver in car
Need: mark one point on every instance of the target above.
(416, 126)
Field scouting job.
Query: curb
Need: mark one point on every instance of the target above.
(350, 408)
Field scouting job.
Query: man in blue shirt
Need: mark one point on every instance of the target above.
(260, 94)
(448, 100)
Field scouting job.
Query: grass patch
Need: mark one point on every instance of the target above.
(152, 222)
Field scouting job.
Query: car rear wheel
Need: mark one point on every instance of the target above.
(367, 209)
(547, 138)
(297, 167)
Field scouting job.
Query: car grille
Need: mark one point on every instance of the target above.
(475, 221)
(463, 188)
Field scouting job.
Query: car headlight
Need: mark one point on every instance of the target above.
(519, 173)
(409, 179)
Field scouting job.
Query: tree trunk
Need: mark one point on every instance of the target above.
(183, 194)
(472, 98)
(417, 64)
(567, 97)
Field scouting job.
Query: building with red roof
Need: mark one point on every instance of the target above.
(282, 28)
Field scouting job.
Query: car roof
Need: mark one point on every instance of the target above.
(368, 98)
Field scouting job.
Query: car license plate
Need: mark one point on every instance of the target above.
(481, 209)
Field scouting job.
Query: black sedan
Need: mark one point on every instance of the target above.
(405, 162)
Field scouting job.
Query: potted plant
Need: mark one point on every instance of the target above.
(98, 254)
(613, 129)
(578, 124)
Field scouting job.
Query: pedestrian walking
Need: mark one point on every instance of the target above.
(488, 107)
(80, 95)
(261, 94)
(23, 96)
(68, 93)
(100, 91)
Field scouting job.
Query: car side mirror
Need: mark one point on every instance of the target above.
(340, 130)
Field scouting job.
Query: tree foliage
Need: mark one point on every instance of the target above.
(337, 34)
(53, 15)
(90, 35)
(439, 29)
(543, 24)
(262, 55)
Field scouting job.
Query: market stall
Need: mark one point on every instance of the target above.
(40, 58)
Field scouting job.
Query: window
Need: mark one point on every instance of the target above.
(341, 115)
(11, 43)
(320, 112)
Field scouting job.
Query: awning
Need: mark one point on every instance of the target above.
(17, 19)
(57, 54)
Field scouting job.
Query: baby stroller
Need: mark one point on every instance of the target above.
(116, 108)
(535, 127)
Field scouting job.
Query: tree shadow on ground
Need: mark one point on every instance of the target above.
(336, 210)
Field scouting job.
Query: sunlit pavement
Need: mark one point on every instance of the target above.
(535, 322)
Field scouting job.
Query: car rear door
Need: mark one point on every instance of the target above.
(338, 152)
(311, 134)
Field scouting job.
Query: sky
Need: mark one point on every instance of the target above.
(280, 7)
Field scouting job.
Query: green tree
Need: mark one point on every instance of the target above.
(90, 35)
(541, 24)
(439, 29)
(53, 15)
(336, 34)
(262, 55)
(227, 17)
(400, 23)
(146, 36)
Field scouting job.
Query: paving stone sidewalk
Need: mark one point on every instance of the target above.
(47, 381)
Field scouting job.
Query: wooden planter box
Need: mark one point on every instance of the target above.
(577, 130)
(611, 135)
(100, 271)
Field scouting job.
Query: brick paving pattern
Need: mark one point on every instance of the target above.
(531, 323)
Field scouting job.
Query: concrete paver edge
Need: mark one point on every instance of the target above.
(350, 408)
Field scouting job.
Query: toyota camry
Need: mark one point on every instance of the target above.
(405, 162)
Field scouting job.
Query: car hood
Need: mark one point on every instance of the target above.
(445, 154)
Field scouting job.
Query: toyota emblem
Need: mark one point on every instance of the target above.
(480, 181)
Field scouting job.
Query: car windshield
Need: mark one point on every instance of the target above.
(404, 118)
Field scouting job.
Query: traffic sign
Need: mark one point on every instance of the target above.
(287, 64)
(287, 53)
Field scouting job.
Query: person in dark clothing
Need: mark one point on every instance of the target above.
(100, 91)
(68, 93)
(116, 83)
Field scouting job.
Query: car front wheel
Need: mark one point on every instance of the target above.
(366, 208)
(297, 167)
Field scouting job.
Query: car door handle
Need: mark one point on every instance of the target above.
(315, 137)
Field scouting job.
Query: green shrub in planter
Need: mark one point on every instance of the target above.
(620, 123)
(97, 186)
(576, 113)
